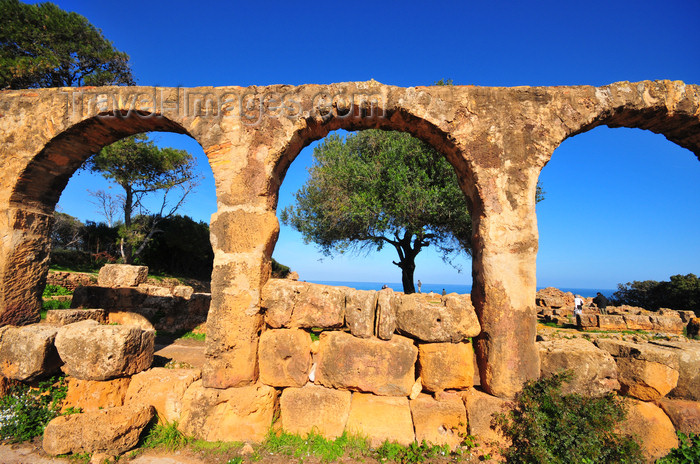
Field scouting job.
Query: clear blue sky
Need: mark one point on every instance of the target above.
(621, 204)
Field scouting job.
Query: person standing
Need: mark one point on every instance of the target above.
(578, 306)
(601, 302)
(419, 286)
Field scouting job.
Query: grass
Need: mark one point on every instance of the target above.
(194, 336)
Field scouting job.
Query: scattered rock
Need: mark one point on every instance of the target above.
(129, 318)
(163, 389)
(101, 352)
(27, 353)
(113, 431)
(121, 275)
(652, 428)
(688, 368)
(685, 415)
(92, 395)
(369, 365)
(69, 316)
(694, 327)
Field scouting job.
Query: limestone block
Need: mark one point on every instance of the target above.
(381, 418)
(101, 352)
(278, 298)
(28, 353)
(587, 321)
(688, 368)
(449, 320)
(552, 297)
(360, 312)
(442, 422)
(645, 371)
(386, 314)
(653, 429)
(667, 324)
(446, 365)
(68, 316)
(163, 389)
(113, 431)
(129, 318)
(284, 356)
(122, 275)
(314, 408)
(92, 395)
(480, 410)
(183, 291)
(232, 414)
(611, 322)
(595, 371)
(369, 365)
(320, 306)
(684, 414)
(638, 322)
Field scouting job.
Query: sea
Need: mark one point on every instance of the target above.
(452, 288)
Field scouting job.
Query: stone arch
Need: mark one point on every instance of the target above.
(33, 197)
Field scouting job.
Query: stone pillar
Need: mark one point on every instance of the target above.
(504, 285)
(24, 263)
(243, 234)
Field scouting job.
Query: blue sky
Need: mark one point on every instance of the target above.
(621, 204)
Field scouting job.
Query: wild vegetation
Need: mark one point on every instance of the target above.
(680, 292)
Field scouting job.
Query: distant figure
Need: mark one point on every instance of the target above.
(384, 286)
(578, 306)
(444, 292)
(419, 286)
(601, 302)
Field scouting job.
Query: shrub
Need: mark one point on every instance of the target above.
(25, 411)
(54, 290)
(547, 427)
(55, 304)
(412, 453)
(688, 451)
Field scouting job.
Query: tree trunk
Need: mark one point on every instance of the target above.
(407, 269)
(125, 247)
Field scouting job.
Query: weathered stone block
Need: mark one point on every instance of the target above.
(232, 414)
(360, 308)
(278, 298)
(638, 322)
(92, 395)
(314, 408)
(122, 275)
(449, 320)
(163, 389)
(284, 356)
(652, 428)
(667, 324)
(129, 318)
(480, 410)
(28, 353)
(684, 414)
(595, 371)
(442, 422)
(369, 365)
(446, 365)
(688, 368)
(320, 306)
(386, 313)
(381, 418)
(101, 352)
(587, 321)
(183, 291)
(69, 316)
(645, 371)
(112, 431)
(609, 322)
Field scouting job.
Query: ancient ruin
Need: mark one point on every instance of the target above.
(497, 139)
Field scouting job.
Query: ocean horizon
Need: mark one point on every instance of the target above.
(451, 288)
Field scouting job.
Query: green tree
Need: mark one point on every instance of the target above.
(378, 188)
(141, 168)
(44, 46)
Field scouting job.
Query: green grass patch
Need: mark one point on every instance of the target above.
(25, 411)
(194, 336)
(313, 444)
(166, 437)
(411, 454)
(688, 451)
(215, 447)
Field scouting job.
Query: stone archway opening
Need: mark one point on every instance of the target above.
(35, 196)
